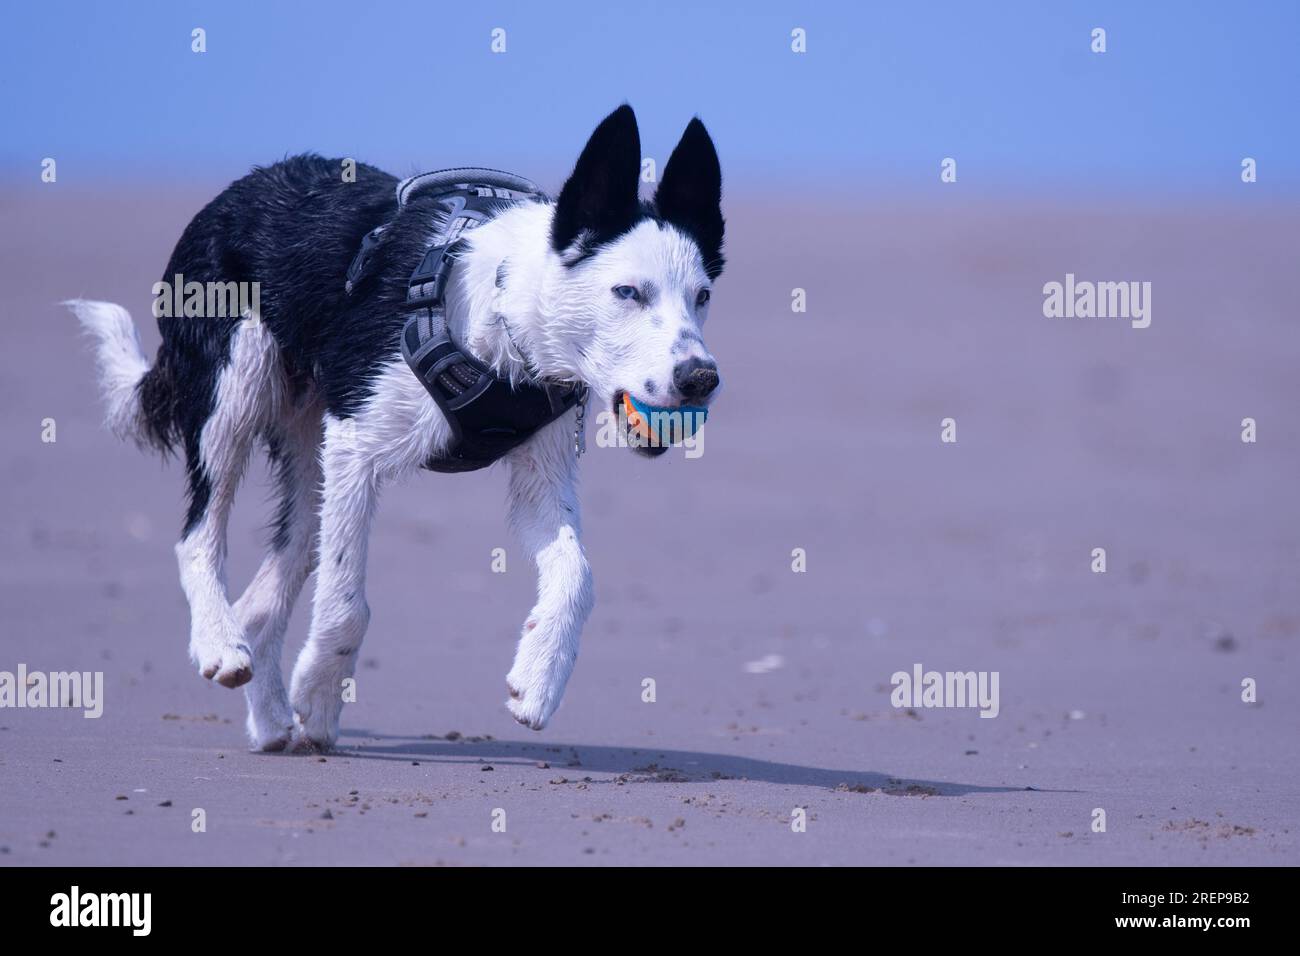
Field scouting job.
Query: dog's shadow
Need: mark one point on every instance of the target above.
(575, 762)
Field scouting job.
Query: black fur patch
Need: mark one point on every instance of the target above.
(599, 200)
(287, 487)
(293, 228)
(690, 194)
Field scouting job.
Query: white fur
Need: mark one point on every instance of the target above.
(340, 613)
(568, 321)
(120, 360)
(247, 398)
(544, 514)
(264, 608)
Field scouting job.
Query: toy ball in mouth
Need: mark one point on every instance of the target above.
(657, 426)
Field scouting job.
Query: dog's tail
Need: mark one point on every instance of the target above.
(122, 367)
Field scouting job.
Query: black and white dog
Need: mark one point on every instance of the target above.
(596, 287)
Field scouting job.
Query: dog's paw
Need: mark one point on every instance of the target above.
(276, 744)
(307, 739)
(270, 726)
(543, 662)
(316, 721)
(229, 664)
(532, 704)
(529, 714)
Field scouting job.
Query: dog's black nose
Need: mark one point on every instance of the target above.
(695, 379)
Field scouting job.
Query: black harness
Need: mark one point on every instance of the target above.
(488, 416)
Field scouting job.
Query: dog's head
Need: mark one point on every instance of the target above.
(636, 277)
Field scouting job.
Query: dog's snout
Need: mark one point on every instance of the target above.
(695, 379)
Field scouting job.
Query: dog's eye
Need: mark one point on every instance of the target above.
(627, 292)
(702, 298)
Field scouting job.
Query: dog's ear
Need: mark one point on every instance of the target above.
(600, 198)
(690, 194)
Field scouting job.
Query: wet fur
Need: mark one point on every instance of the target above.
(316, 379)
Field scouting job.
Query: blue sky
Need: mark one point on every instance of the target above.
(885, 91)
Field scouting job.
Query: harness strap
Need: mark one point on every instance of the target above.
(444, 179)
(487, 415)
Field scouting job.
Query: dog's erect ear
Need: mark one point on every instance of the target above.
(600, 197)
(690, 194)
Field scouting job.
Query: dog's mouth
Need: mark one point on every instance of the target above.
(653, 429)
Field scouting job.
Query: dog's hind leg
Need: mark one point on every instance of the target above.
(216, 457)
(340, 613)
(264, 609)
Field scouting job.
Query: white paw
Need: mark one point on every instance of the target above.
(531, 710)
(270, 724)
(537, 680)
(229, 663)
(316, 711)
(312, 736)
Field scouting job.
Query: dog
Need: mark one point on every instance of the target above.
(596, 288)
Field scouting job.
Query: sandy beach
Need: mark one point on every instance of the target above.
(1119, 691)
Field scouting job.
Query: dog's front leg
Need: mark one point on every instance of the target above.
(340, 613)
(544, 515)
